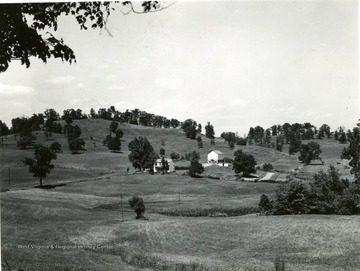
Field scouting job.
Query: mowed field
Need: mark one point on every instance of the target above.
(85, 223)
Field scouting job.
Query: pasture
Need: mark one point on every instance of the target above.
(84, 222)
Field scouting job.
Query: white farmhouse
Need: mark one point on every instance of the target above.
(215, 157)
(157, 165)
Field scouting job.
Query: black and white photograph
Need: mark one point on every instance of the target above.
(180, 135)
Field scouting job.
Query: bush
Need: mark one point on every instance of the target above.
(106, 140)
(267, 167)
(24, 142)
(265, 205)
(76, 145)
(55, 147)
(196, 168)
(174, 156)
(325, 194)
(137, 204)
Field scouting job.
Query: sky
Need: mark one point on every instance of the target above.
(236, 64)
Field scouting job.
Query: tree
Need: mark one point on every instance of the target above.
(309, 151)
(107, 140)
(199, 128)
(137, 204)
(196, 168)
(189, 127)
(113, 126)
(324, 130)
(279, 142)
(244, 163)
(114, 144)
(73, 132)
(209, 131)
(194, 155)
(191, 132)
(164, 165)
(76, 145)
(352, 152)
(267, 167)
(24, 142)
(342, 138)
(55, 147)
(4, 130)
(174, 156)
(295, 143)
(119, 133)
(265, 204)
(40, 165)
(174, 123)
(142, 154)
(68, 119)
(22, 26)
(162, 151)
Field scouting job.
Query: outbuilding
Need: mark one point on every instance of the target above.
(215, 157)
(157, 165)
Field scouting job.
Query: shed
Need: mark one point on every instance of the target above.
(215, 156)
(157, 165)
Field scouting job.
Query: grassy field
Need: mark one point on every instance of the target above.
(85, 223)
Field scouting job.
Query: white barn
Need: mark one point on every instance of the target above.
(157, 165)
(215, 157)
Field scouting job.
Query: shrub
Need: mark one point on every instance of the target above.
(76, 145)
(279, 264)
(267, 167)
(174, 156)
(265, 205)
(106, 140)
(114, 144)
(137, 204)
(196, 168)
(325, 194)
(24, 142)
(55, 147)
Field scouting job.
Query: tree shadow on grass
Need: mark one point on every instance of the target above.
(50, 186)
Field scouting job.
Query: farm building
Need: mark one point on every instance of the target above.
(215, 157)
(157, 165)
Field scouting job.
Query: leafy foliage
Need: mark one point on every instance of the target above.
(244, 163)
(209, 131)
(119, 133)
(164, 165)
(23, 24)
(267, 167)
(196, 168)
(76, 145)
(309, 151)
(265, 204)
(353, 153)
(114, 144)
(325, 194)
(55, 147)
(174, 156)
(142, 154)
(137, 204)
(24, 142)
(113, 126)
(40, 165)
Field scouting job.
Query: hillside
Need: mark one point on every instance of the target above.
(97, 159)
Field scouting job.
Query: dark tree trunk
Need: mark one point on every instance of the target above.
(40, 181)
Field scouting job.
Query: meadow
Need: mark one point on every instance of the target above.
(84, 222)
